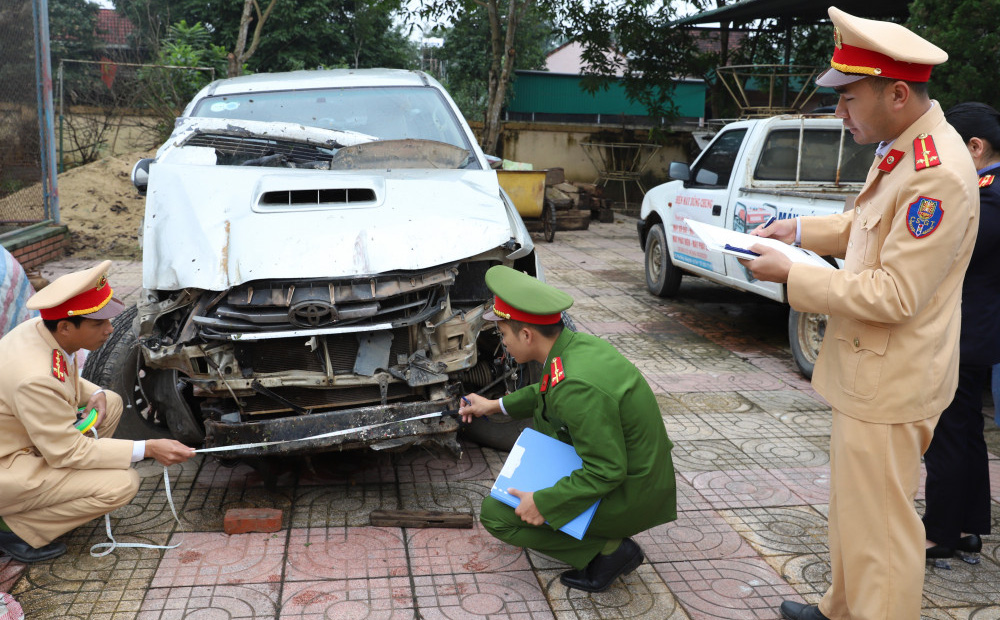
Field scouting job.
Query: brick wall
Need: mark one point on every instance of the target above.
(35, 246)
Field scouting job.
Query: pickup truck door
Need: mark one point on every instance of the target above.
(704, 198)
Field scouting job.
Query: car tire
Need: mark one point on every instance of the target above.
(155, 407)
(663, 278)
(805, 335)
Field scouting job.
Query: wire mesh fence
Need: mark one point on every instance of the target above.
(21, 195)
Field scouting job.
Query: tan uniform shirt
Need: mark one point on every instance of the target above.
(890, 353)
(37, 413)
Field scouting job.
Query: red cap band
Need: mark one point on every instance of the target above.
(505, 311)
(850, 59)
(86, 302)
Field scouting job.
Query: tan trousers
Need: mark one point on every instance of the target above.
(876, 537)
(72, 497)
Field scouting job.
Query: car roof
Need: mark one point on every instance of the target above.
(319, 78)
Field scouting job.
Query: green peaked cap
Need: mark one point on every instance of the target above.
(525, 293)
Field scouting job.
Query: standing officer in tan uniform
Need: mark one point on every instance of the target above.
(53, 477)
(889, 361)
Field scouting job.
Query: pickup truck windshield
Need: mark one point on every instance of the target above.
(390, 113)
(779, 158)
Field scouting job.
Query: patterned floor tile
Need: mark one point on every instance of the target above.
(688, 427)
(640, 595)
(963, 583)
(779, 402)
(808, 573)
(341, 505)
(740, 488)
(251, 601)
(782, 452)
(205, 507)
(717, 404)
(809, 424)
(375, 598)
(709, 455)
(729, 589)
(10, 571)
(464, 496)
(781, 530)
(345, 553)
(434, 551)
(811, 484)
(711, 382)
(511, 594)
(422, 465)
(745, 425)
(695, 535)
(205, 559)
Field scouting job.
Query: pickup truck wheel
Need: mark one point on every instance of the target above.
(805, 335)
(663, 279)
(155, 407)
(549, 221)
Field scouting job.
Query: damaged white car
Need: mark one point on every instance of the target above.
(314, 247)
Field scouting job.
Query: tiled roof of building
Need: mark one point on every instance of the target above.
(112, 28)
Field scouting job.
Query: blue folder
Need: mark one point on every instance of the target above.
(537, 462)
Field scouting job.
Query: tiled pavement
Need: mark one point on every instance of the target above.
(752, 472)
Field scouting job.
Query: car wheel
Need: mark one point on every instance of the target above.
(549, 221)
(805, 335)
(155, 407)
(663, 279)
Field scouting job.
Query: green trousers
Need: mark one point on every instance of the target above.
(500, 521)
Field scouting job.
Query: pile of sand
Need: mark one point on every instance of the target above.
(102, 208)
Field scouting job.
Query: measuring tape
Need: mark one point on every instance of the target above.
(113, 544)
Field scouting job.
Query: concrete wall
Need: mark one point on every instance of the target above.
(562, 145)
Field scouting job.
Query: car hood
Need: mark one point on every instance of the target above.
(215, 227)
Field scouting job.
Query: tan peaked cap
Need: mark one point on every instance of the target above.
(867, 47)
(84, 293)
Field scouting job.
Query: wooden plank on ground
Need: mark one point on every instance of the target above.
(420, 518)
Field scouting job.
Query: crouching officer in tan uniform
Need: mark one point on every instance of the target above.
(594, 399)
(889, 360)
(53, 477)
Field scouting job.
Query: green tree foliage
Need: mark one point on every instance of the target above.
(167, 90)
(466, 54)
(967, 30)
(298, 34)
(73, 30)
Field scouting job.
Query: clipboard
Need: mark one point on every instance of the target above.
(536, 462)
(738, 244)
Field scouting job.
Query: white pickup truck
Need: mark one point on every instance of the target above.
(783, 166)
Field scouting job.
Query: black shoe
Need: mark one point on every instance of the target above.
(12, 545)
(791, 610)
(970, 544)
(604, 569)
(940, 552)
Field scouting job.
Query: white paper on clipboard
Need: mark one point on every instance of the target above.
(717, 238)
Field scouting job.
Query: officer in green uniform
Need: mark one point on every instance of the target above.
(596, 400)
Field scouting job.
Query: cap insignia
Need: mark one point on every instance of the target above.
(557, 372)
(544, 385)
(838, 39)
(923, 217)
(59, 367)
(101, 282)
(986, 180)
(891, 160)
(925, 152)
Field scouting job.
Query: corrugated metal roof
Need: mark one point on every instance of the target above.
(809, 12)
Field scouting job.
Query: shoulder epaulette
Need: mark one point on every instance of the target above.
(925, 154)
(986, 180)
(557, 372)
(59, 367)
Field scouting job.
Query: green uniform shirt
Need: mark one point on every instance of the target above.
(607, 411)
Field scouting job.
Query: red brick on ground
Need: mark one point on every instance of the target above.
(244, 520)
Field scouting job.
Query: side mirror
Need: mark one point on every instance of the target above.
(680, 171)
(140, 174)
(494, 162)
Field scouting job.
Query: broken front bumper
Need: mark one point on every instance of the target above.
(379, 427)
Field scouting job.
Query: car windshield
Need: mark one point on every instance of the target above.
(389, 113)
